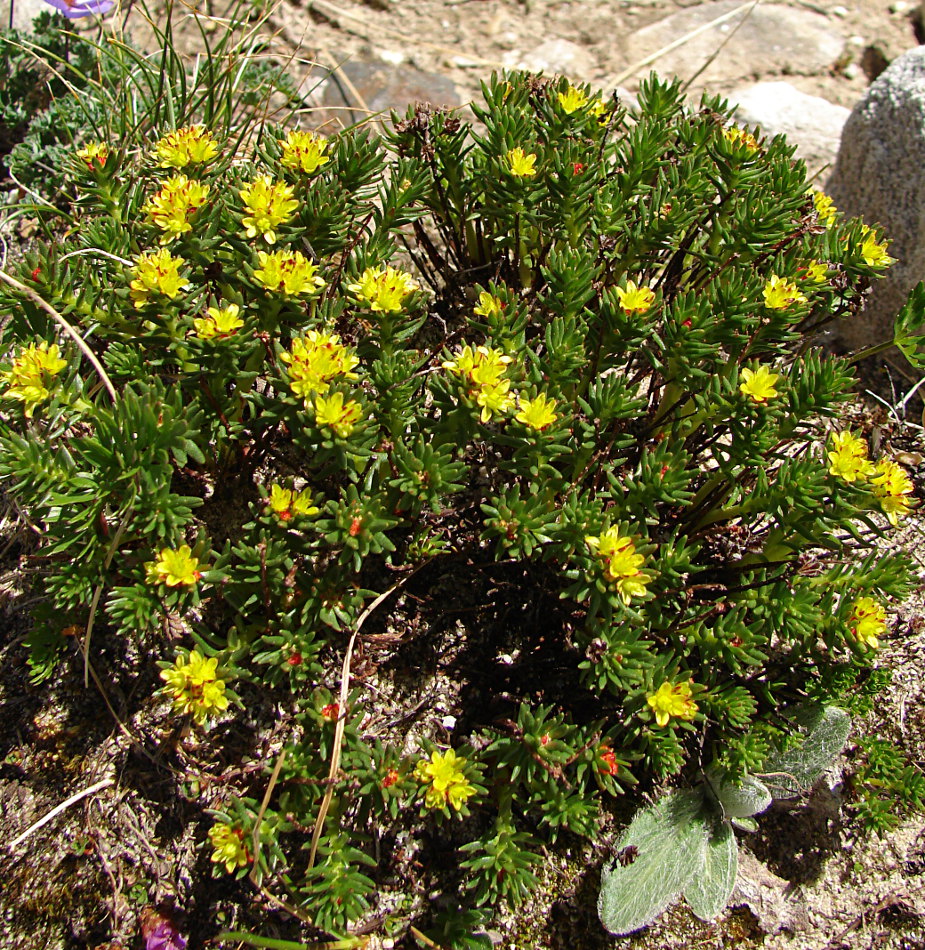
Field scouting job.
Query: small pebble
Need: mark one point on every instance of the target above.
(840, 11)
(448, 723)
(900, 7)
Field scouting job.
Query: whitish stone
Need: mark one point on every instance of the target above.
(554, 57)
(24, 12)
(813, 124)
(772, 40)
(880, 176)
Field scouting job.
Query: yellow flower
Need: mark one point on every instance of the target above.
(740, 137)
(537, 413)
(228, 847)
(94, 152)
(172, 207)
(488, 306)
(825, 208)
(269, 204)
(600, 111)
(817, 271)
(31, 374)
(286, 503)
(484, 369)
(219, 322)
(482, 365)
(672, 700)
(621, 562)
(288, 272)
(779, 294)
(635, 299)
(868, 621)
(384, 290)
(893, 487)
(520, 164)
(848, 457)
(317, 358)
(758, 384)
(874, 253)
(156, 272)
(194, 686)
(335, 414)
(304, 152)
(494, 398)
(193, 145)
(445, 778)
(572, 100)
(174, 567)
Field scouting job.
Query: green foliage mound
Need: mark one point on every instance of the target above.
(553, 376)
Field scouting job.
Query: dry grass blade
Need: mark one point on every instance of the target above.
(79, 796)
(342, 718)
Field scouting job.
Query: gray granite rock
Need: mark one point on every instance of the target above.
(772, 40)
(880, 176)
(813, 124)
(343, 96)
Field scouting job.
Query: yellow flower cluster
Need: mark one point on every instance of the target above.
(333, 413)
(890, 482)
(825, 208)
(317, 358)
(758, 384)
(739, 136)
(97, 152)
(304, 152)
(572, 100)
(174, 567)
(288, 272)
(219, 322)
(287, 503)
(635, 299)
(873, 252)
(383, 289)
(268, 205)
(779, 294)
(817, 271)
(195, 686)
(848, 458)
(893, 486)
(31, 374)
(173, 206)
(193, 145)
(445, 779)
(484, 369)
(868, 621)
(621, 562)
(228, 847)
(672, 699)
(156, 272)
(520, 164)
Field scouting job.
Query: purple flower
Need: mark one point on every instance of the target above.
(164, 936)
(73, 9)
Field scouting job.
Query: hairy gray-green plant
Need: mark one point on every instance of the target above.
(685, 845)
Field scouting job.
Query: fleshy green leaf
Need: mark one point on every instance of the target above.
(909, 325)
(667, 840)
(749, 797)
(826, 732)
(709, 890)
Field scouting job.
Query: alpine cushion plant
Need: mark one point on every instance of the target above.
(563, 368)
